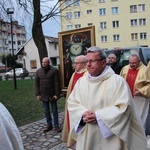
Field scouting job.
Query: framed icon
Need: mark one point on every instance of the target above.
(73, 43)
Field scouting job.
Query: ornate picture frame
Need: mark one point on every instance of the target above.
(71, 44)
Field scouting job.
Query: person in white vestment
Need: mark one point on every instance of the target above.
(10, 138)
(103, 115)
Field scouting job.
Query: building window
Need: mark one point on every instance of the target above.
(101, 1)
(76, 2)
(142, 22)
(33, 64)
(133, 22)
(89, 11)
(88, 0)
(115, 24)
(114, 10)
(141, 7)
(55, 46)
(114, 0)
(102, 11)
(68, 2)
(69, 15)
(19, 42)
(69, 27)
(116, 37)
(104, 38)
(143, 36)
(103, 25)
(134, 36)
(90, 24)
(77, 26)
(77, 14)
(133, 8)
(53, 61)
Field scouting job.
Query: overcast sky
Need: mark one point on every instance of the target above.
(51, 27)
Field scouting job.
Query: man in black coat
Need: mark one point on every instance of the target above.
(47, 90)
(112, 62)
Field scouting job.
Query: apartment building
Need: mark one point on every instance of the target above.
(118, 23)
(19, 36)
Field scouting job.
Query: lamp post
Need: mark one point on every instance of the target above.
(10, 11)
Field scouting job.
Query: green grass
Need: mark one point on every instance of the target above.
(22, 103)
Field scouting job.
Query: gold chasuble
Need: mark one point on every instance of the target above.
(142, 84)
(109, 97)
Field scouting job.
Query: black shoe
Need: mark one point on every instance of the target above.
(57, 129)
(48, 128)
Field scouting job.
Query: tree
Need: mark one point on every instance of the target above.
(37, 31)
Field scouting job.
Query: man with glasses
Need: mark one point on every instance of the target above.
(80, 70)
(101, 109)
(136, 76)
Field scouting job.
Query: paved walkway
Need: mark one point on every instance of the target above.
(34, 139)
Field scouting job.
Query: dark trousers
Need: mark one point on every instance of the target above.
(46, 107)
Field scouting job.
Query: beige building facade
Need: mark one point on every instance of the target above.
(19, 36)
(118, 23)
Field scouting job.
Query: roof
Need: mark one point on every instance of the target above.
(49, 38)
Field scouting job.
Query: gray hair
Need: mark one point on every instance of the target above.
(94, 49)
(135, 55)
(112, 55)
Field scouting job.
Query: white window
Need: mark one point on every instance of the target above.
(104, 38)
(68, 2)
(101, 1)
(77, 26)
(133, 8)
(115, 24)
(90, 24)
(69, 15)
(69, 27)
(102, 11)
(103, 25)
(76, 2)
(141, 7)
(143, 36)
(116, 37)
(89, 11)
(114, 10)
(142, 22)
(134, 36)
(133, 22)
(77, 14)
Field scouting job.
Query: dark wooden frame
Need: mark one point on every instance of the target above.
(85, 37)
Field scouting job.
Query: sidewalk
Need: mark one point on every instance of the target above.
(34, 139)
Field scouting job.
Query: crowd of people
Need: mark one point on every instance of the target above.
(98, 120)
(106, 105)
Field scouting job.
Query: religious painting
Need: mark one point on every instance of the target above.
(71, 44)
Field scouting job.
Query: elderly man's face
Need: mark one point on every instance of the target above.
(111, 59)
(95, 65)
(134, 62)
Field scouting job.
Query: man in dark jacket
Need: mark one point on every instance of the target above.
(47, 90)
(112, 62)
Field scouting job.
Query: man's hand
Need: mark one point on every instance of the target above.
(55, 97)
(89, 117)
(39, 97)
